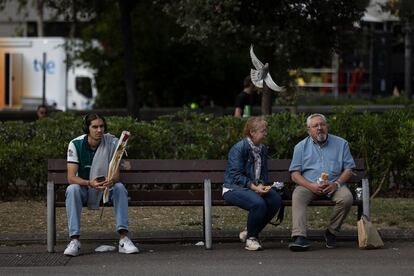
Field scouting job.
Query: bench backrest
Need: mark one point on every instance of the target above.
(151, 182)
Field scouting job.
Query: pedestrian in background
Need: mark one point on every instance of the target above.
(244, 100)
(41, 111)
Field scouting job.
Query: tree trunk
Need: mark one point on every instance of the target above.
(39, 10)
(266, 106)
(267, 93)
(72, 31)
(126, 7)
(407, 60)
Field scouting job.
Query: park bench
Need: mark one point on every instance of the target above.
(177, 183)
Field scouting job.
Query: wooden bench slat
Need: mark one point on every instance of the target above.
(177, 165)
(185, 178)
(159, 203)
(186, 197)
(152, 195)
(154, 177)
(289, 203)
(167, 195)
(166, 203)
(187, 165)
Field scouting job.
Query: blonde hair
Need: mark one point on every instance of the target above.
(253, 124)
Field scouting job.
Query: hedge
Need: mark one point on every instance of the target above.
(386, 141)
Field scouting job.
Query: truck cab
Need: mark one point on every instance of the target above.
(81, 89)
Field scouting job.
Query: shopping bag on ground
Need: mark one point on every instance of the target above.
(368, 236)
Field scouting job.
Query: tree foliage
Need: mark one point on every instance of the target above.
(169, 72)
(292, 33)
(195, 48)
(187, 50)
(289, 34)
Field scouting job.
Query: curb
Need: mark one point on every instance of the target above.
(196, 236)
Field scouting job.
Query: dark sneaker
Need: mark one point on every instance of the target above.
(330, 239)
(300, 244)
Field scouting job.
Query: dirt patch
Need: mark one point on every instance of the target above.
(29, 217)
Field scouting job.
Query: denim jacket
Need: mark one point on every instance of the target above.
(239, 173)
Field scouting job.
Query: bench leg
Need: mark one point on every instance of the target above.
(359, 214)
(51, 217)
(207, 213)
(365, 198)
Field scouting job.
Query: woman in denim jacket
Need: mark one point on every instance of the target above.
(245, 175)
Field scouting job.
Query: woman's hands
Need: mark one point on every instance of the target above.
(260, 189)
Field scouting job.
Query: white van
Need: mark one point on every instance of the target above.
(26, 80)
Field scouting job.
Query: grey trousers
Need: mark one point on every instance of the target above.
(300, 200)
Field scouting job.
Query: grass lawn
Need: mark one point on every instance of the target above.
(30, 217)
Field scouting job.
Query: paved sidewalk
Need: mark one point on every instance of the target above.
(224, 259)
(195, 236)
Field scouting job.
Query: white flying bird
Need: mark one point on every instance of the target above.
(262, 73)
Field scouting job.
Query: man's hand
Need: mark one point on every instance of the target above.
(108, 183)
(97, 184)
(330, 188)
(316, 188)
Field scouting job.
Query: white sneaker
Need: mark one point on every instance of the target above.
(243, 235)
(127, 246)
(73, 248)
(253, 244)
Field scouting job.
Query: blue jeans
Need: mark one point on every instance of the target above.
(261, 208)
(77, 196)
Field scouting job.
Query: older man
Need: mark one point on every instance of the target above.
(319, 153)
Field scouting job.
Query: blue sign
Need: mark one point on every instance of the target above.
(50, 66)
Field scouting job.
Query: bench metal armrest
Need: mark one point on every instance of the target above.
(365, 197)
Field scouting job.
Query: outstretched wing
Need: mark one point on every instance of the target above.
(256, 77)
(272, 85)
(256, 62)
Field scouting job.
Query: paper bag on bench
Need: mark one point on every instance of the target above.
(368, 236)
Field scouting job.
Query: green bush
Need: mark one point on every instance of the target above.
(385, 141)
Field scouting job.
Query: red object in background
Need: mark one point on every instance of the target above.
(356, 80)
(341, 79)
(327, 78)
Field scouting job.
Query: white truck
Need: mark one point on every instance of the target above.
(26, 81)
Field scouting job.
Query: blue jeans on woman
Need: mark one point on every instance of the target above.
(262, 208)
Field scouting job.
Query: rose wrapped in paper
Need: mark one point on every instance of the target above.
(116, 160)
